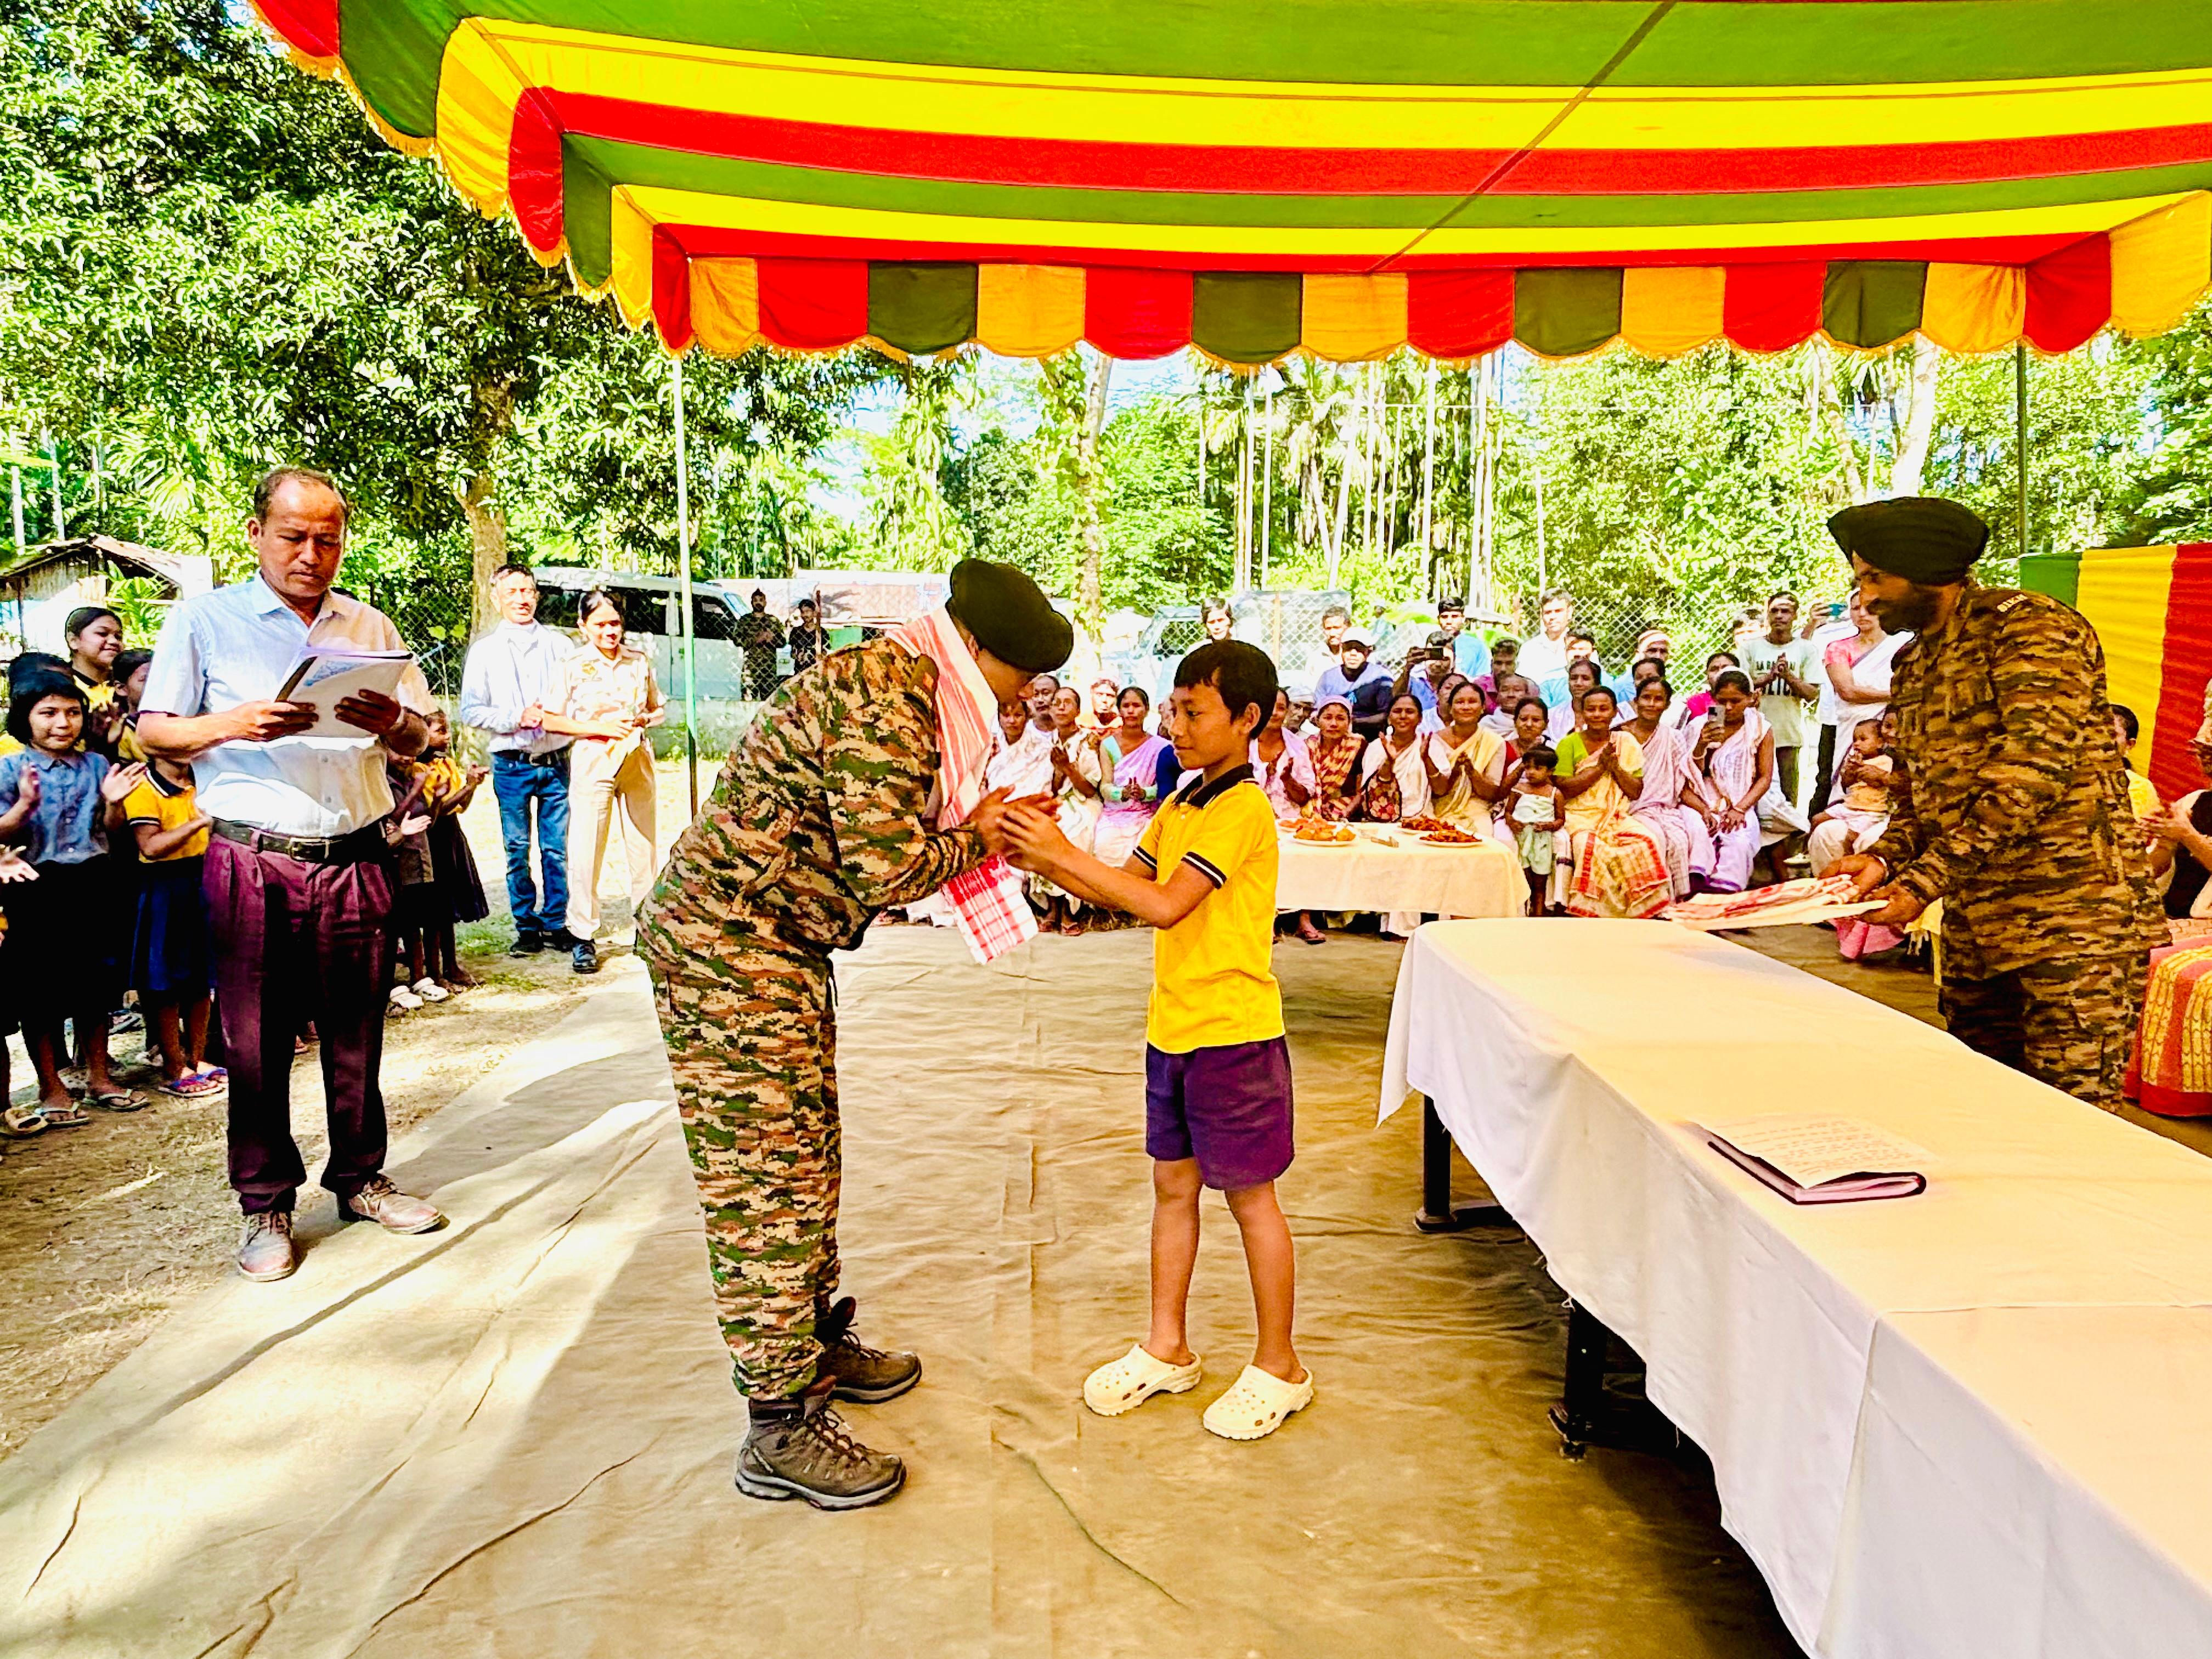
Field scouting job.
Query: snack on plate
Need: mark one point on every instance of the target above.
(1423, 824)
(1315, 832)
(1448, 836)
(1805, 900)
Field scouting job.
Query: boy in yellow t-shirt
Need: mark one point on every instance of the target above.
(1217, 1069)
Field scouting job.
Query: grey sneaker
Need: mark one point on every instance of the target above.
(866, 1375)
(266, 1252)
(396, 1212)
(798, 1448)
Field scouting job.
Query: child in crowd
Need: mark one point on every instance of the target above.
(453, 865)
(1863, 807)
(1538, 816)
(1217, 1108)
(432, 788)
(169, 964)
(2142, 795)
(58, 963)
(130, 686)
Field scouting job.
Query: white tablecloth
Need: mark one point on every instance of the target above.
(1484, 880)
(1571, 1060)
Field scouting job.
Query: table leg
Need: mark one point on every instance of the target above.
(1438, 1213)
(1587, 1416)
(1577, 1417)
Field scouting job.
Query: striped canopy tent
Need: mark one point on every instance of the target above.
(2151, 609)
(1338, 177)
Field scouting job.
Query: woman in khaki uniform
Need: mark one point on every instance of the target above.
(604, 697)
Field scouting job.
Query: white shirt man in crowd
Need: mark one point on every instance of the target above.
(299, 878)
(1785, 670)
(504, 685)
(1544, 654)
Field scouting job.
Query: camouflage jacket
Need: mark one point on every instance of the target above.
(817, 822)
(2016, 807)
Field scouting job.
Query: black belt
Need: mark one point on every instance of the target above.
(350, 848)
(558, 757)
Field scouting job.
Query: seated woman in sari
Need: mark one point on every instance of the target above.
(1466, 767)
(1336, 757)
(2171, 1074)
(1734, 759)
(1128, 766)
(1076, 776)
(1392, 782)
(1619, 867)
(1581, 676)
(2181, 855)
(1666, 775)
(1698, 705)
(1282, 765)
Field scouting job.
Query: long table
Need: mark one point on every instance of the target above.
(1482, 880)
(1923, 1415)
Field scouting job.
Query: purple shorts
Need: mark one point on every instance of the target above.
(1229, 1108)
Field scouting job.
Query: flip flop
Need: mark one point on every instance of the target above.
(214, 1074)
(190, 1088)
(63, 1117)
(1126, 1384)
(22, 1123)
(1256, 1404)
(117, 1100)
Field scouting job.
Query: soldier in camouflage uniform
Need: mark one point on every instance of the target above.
(2016, 810)
(819, 820)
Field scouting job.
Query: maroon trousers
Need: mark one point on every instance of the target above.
(295, 942)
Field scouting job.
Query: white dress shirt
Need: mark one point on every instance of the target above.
(511, 667)
(236, 646)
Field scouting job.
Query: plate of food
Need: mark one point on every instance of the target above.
(1315, 833)
(1423, 824)
(1448, 836)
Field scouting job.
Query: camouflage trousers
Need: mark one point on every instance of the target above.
(753, 1053)
(2072, 1024)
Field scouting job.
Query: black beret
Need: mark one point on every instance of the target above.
(1010, 616)
(1922, 539)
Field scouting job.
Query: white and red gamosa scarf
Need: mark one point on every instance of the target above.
(987, 903)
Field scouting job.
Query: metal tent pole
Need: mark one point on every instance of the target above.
(683, 585)
(2020, 421)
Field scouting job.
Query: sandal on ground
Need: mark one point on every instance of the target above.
(23, 1122)
(1256, 1404)
(429, 990)
(213, 1073)
(63, 1117)
(1135, 1377)
(191, 1087)
(1311, 934)
(117, 1100)
(404, 999)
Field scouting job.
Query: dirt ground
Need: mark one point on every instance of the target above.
(105, 1229)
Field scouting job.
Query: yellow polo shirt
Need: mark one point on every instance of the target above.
(1213, 980)
(165, 805)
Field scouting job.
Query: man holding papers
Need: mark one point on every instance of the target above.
(298, 883)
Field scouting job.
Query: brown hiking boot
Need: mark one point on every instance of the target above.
(865, 1376)
(798, 1448)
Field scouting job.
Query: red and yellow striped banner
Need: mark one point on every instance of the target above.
(1337, 177)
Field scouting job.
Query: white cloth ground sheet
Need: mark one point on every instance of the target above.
(1484, 880)
(1913, 1407)
(513, 1439)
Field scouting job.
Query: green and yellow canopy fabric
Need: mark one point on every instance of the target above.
(1339, 177)
(2151, 609)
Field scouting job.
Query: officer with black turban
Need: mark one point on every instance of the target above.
(820, 819)
(2016, 812)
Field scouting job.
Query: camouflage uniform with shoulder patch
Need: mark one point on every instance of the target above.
(817, 822)
(2015, 813)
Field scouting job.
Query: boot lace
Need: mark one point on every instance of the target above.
(826, 1431)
